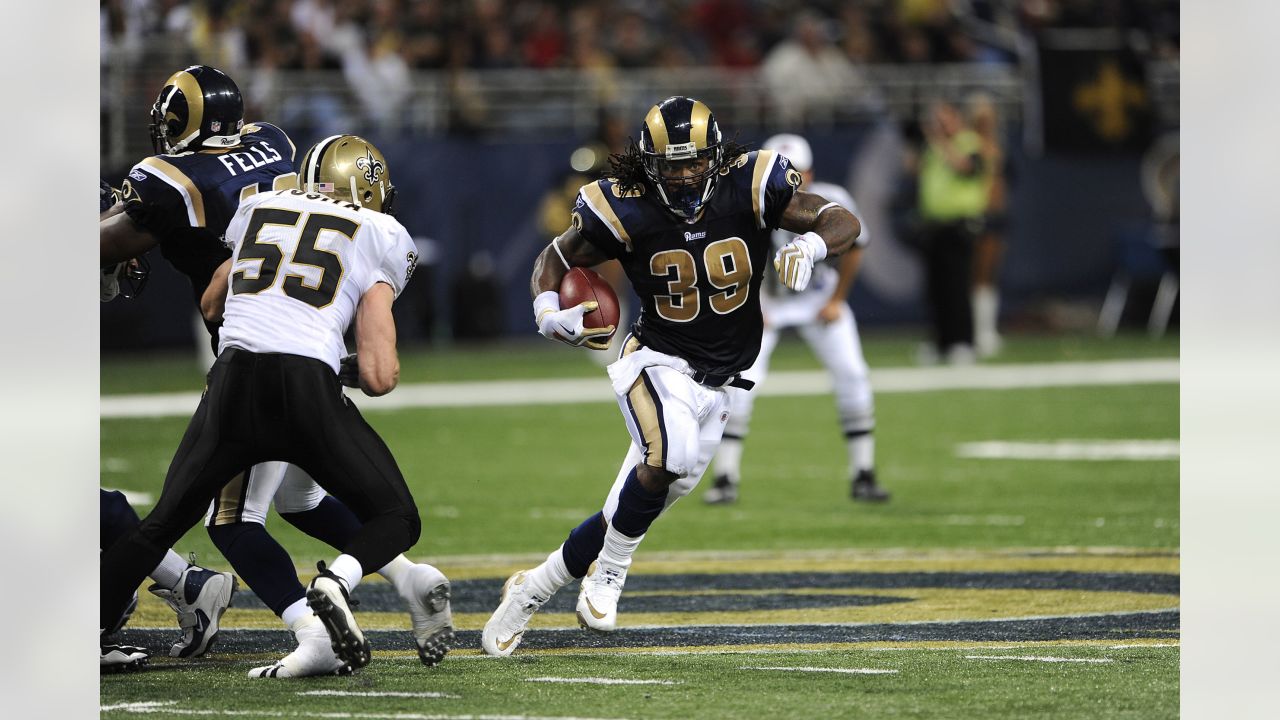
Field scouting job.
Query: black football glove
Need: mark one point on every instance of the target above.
(349, 371)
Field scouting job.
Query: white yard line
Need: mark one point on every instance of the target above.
(1093, 450)
(169, 708)
(350, 693)
(847, 671)
(808, 382)
(1038, 658)
(1141, 645)
(601, 681)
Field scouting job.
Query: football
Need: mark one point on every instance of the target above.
(582, 285)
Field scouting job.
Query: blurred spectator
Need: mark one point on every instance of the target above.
(953, 192)
(989, 247)
(807, 76)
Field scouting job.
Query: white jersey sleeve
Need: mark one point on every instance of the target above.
(397, 259)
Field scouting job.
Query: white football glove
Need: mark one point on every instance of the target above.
(109, 282)
(795, 260)
(566, 325)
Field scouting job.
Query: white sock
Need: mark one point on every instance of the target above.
(986, 308)
(169, 571)
(862, 453)
(295, 613)
(397, 571)
(348, 570)
(618, 548)
(551, 575)
(729, 459)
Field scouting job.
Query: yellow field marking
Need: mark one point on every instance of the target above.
(1145, 560)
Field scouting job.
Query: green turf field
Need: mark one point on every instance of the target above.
(1090, 545)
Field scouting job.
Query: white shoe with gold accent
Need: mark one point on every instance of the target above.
(504, 630)
(314, 655)
(598, 599)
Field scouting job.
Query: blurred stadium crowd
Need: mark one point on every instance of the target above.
(584, 34)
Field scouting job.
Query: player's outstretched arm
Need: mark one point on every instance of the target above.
(827, 229)
(376, 341)
(567, 251)
(122, 239)
(214, 299)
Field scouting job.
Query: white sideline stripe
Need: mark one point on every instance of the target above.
(848, 671)
(602, 681)
(1139, 645)
(167, 708)
(1038, 658)
(1094, 450)
(807, 382)
(135, 497)
(349, 693)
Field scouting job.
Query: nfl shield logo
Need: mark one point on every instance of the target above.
(215, 126)
(724, 416)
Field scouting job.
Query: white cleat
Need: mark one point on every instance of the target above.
(200, 598)
(598, 598)
(504, 630)
(329, 600)
(121, 658)
(314, 655)
(428, 597)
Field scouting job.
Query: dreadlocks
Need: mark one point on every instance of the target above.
(627, 167)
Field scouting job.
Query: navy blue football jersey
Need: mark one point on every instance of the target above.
(699, 282)
(186, 200)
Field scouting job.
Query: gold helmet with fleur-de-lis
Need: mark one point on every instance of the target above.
(350, 168)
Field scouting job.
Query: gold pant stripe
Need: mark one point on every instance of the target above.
(646, 409)
(231, 500)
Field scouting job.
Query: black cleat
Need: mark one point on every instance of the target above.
(723, 491)
(865, 489)
(329, 600)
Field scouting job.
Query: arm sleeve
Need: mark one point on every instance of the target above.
(598, 223)
(154, 203)
(778, 182)
(398, 262)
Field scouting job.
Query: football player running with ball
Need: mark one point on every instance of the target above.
(690, 217)
(306, 263)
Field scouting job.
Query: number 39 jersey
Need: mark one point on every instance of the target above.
(699, 282)
(300, 264)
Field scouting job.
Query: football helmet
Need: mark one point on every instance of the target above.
(682, 150)
(197, 107)
(350, 168)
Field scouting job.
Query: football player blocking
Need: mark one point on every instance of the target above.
(208, 162)
(690, 218)
(821, 316)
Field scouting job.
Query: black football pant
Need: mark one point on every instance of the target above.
(948, 250)
(260, 407)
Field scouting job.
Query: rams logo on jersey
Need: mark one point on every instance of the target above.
(410, 257)
(372, 167)
(793, 177)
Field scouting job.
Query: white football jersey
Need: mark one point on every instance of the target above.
(825, 274)
(300, 264)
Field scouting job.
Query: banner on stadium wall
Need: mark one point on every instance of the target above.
(1094, 92)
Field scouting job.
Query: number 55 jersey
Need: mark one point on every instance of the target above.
(300, 264)
(698, 282)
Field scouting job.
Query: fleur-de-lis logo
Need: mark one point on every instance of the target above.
(372, 167)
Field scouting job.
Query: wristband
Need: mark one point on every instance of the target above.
(816, 245)
(546, 302)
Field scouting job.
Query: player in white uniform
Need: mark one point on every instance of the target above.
(305, 264)
(822, 317)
